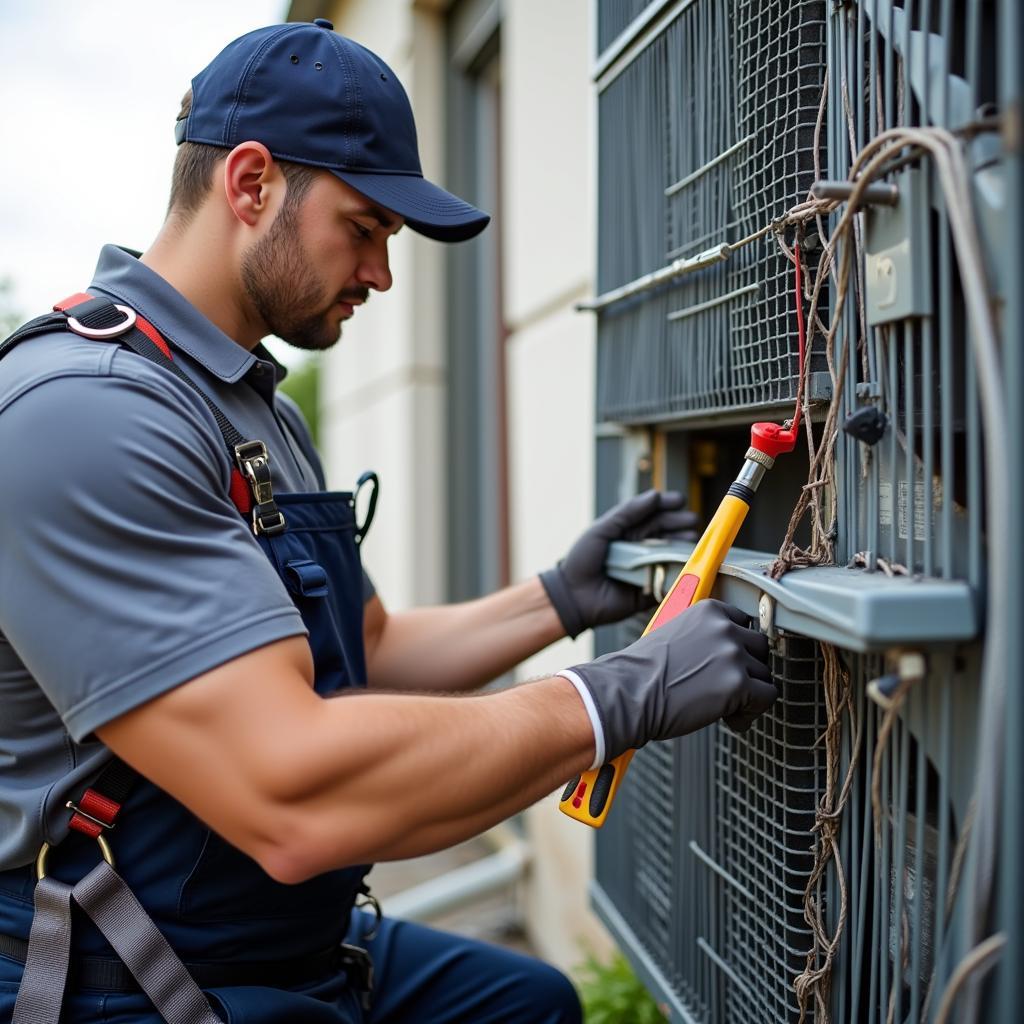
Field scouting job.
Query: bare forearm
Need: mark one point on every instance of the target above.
(460, 647)
(304, 784)
(386, 777)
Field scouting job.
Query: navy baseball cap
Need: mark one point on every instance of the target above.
(313, 97)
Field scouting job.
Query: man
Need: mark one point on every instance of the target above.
(178, 595)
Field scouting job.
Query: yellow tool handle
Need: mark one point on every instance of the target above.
(589, 796)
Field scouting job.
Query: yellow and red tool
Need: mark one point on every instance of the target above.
(589, 796)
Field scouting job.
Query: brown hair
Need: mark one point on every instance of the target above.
(193, 173)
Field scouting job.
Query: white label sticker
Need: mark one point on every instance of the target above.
(885, 503)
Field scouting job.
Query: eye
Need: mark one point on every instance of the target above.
(361, 230)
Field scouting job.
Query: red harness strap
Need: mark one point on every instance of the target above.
(238, 490)
(140, 321)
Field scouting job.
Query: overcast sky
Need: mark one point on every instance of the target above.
(89, 90)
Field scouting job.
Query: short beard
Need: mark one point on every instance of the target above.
(283, 286)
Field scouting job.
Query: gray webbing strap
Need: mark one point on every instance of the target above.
(106, 898)
(49, 947)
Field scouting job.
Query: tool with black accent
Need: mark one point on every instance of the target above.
(589, 796)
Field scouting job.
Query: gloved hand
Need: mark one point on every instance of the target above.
(703, 665)
(578, 588)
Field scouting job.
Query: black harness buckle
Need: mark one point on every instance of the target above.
(254, 463)
(359, 968)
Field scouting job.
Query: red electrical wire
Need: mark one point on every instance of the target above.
(801, 337)
(770, 438)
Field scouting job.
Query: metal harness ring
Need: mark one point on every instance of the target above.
(105, 332)
(44, 853)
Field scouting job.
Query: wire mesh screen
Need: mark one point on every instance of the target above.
(767, 786)
(645, 865)
(722, 105)
(779, 91)
(709, 850)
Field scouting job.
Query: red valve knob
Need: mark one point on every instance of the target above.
(771, 439)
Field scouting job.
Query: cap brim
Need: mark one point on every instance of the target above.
(428, 209)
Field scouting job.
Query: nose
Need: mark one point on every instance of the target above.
(375, 271)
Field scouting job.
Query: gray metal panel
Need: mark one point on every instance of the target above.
(649, 972)
(722, 104)
(855, 609)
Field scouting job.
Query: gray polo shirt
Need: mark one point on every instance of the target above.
(125, 570)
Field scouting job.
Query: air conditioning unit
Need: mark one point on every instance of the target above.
(815, 864)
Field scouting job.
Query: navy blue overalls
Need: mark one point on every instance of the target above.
(261, 951)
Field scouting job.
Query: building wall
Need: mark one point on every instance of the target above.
(549, 261)
(384, 388)
(383, 385)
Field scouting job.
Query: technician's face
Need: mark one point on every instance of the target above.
(319, 260)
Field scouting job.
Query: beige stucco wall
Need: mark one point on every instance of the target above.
(549, 260)
(385, 384)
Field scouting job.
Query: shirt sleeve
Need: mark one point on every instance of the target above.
(125, 570)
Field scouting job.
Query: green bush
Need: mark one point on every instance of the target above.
(612, 994)
(302, 385)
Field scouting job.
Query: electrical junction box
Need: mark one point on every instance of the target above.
(898, 254)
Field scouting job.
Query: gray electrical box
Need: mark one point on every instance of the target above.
(898, 255)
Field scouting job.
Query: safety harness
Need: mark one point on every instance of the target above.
(149, 962)
(251, 490)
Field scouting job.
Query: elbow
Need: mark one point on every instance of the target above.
(287, 864)
(301, 847)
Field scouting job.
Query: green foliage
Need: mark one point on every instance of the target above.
(10, 318)
(612, 994)
(302, 385)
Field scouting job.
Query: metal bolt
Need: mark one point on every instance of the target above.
(658, 583)
(766, 615)
(911, 665)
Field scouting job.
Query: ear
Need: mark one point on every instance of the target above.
(253, 183)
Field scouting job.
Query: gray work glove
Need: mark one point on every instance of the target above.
(582, 595)
(703, 665)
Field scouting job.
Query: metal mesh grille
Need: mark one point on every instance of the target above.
(768, 781)
(645, 865)
(723, 105)
(778, 93)
(614, 16)
(651, 825)
(708, 852)
(898, 889)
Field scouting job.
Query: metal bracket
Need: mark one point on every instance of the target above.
(659, 574)
(879, 193)
(851, 608)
